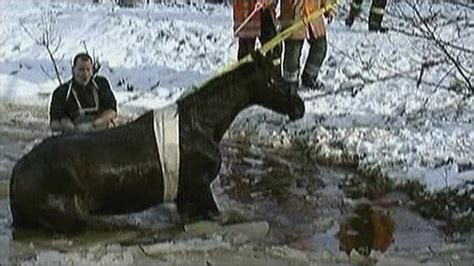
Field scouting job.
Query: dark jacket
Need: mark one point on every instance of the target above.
(95, 97)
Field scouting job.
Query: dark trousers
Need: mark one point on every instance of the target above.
(267, 32)
(291, 61)
(376, 11)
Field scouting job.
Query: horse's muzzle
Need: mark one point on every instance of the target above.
(297, 104)
(299, 112)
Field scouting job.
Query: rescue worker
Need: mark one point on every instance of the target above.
(262, 24)
(84, 103)
(377, 10)
(314, 33)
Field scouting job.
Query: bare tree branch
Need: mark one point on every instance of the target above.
(452, 45)
(414, 24)
(422, 109)
(465, 5)
(48, 38)
(430, 32)
(96, 63)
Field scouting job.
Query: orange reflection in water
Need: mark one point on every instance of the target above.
(366, 230)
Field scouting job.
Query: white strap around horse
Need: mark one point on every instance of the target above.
(166, 127)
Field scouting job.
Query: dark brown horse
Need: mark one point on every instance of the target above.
(65, 182)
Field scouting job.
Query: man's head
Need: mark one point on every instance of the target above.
(82, 68)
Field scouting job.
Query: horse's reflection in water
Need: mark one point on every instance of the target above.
(65, 182)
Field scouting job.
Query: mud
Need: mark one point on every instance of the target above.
(311, 219)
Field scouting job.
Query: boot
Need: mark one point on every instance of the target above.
(312, 84)
(376, 16)
(377, 28)
(353, 12)
(350, 20)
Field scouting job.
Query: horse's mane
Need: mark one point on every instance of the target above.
(221, 78)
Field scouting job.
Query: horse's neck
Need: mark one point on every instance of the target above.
(214, 107)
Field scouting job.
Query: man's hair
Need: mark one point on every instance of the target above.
(82, 57)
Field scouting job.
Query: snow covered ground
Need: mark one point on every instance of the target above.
(371, 108)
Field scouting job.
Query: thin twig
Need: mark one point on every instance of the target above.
(422, 109)
(443, 48)
(47, 39)
(454, 46)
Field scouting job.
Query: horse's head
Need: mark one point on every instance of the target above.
(272, 92)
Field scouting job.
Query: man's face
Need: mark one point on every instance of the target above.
(82, 71)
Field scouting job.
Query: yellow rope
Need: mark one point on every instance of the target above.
(280, 37)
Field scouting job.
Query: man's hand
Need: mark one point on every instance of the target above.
(102, 121)
(64, 125)
(85, 127)
(67, 124)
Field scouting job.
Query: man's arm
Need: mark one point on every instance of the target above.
(108, 104)
(59, 122)
(100, 122)
(104, 118)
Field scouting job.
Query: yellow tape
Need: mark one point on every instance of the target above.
(280, 37)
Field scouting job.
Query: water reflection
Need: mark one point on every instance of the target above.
(366, 229)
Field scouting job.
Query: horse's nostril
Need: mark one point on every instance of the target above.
(294, 117)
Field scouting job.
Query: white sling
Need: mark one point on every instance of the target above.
(166, 127)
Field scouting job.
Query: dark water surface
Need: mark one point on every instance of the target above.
(301, 200)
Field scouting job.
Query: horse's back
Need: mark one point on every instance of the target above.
(110, 171)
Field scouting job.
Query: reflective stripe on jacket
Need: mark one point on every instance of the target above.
(292, 10)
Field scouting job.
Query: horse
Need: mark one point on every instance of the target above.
(65, 182)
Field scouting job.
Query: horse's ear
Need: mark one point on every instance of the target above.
(266, 62)
(263, 61)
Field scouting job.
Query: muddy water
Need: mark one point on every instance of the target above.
(308, 210)
(310, 218)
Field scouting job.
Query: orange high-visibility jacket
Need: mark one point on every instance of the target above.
(243, 9)
(292, 10)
